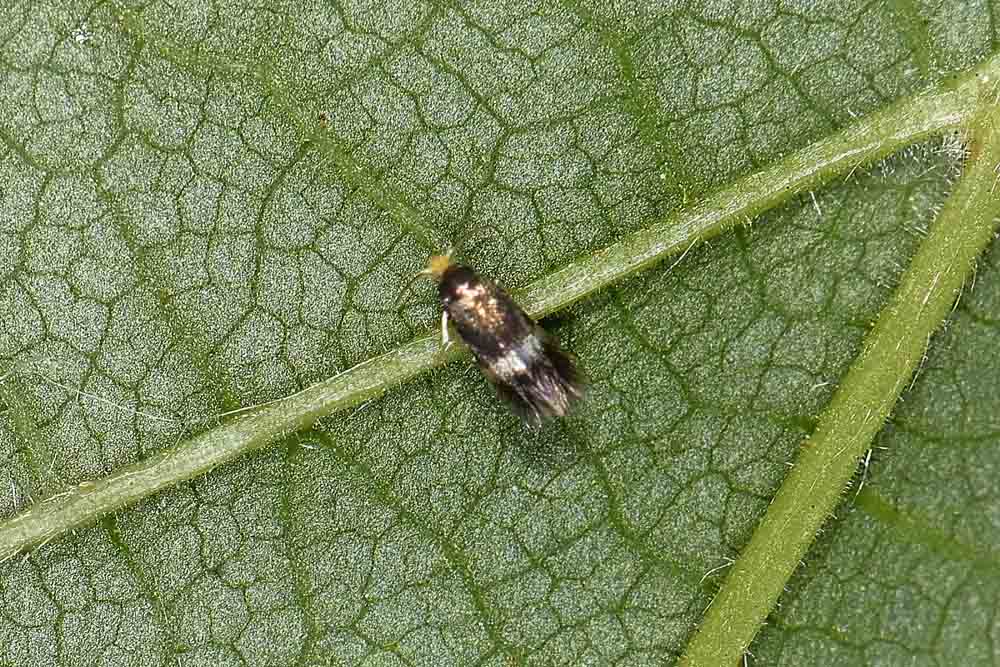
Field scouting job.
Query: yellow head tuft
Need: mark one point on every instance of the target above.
(437, 265)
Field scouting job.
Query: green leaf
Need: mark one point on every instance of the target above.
(207, 209)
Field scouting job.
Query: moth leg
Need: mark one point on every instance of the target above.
(445, 339)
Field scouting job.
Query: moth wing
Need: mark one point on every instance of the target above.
(548, 387)
(567, 373)
(513, 397)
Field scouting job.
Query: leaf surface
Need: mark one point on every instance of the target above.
(210, 207)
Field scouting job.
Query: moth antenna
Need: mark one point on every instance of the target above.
(436, 266)
(401, 297)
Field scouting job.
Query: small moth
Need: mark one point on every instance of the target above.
(522, 361)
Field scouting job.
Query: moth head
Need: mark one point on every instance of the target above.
(436, 266)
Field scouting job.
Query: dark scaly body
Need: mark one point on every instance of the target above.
(524, 363)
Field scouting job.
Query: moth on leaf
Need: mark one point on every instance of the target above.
(525, 364)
